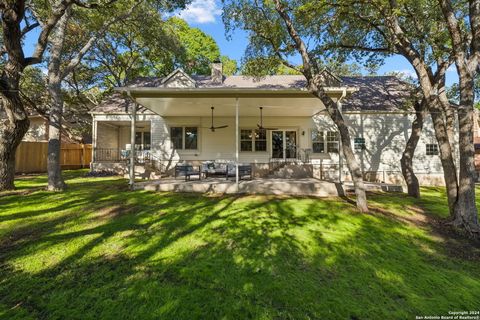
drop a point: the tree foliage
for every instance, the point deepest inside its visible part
(229, 66)
(278, 32)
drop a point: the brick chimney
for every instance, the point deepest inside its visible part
(217, 72)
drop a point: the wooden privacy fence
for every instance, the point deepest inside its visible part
(32, 156)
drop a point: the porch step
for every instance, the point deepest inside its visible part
(145, 172)
(292, 171)
(376, 187)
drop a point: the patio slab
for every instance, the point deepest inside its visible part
(303, 187)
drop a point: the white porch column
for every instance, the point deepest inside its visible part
(236, 144)
(340, 148)
(133, 123)
(94, 139)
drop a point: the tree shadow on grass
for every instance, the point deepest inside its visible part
(174, 256)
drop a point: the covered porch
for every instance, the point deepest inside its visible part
(270, 129)
(113, 140)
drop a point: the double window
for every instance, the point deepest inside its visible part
(253, 140)
(431, 149)
(142, 140)
(184, 138)
(325, 141)
(318, 141)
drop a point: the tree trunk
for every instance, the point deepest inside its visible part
(446, 155)
(406, 161)
(11, 135)
(352, 164)
(466, 214)
(55, 179)
(316, 87)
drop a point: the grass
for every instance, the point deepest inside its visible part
(99, 251)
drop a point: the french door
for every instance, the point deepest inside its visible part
(284, 144)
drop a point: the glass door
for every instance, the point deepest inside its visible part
(284, 144)
(290, 144)
(277, 144)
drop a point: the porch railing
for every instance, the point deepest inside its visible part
(116, 155)
(107, 155)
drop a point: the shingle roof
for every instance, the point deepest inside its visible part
(378, 93)
(274, 82)
(375, 93)
(117, 103)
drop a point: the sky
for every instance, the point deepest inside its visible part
(206, 15)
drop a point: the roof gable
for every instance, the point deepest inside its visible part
(178, 79)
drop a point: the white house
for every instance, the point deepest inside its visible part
(272, 123)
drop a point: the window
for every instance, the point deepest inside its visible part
(359, 144)
(324, 141)
(431, 149)
(138, 140)
(142, 140)
(253, 140)
(184, 138)
(246, 138)
(176, 135)
(146, 141)
(332, 141)
(191, 137)
(260, 140)
(318, 141)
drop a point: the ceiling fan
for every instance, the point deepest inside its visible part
(260, 126)
(213, 128)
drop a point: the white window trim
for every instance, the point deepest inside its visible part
(252, 140)
(183, 150)
(142, 134)
(325, 141)
(312, 141)
(429, 154)
(355, 144)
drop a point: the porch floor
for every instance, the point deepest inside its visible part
(304, 187)
(273, 186)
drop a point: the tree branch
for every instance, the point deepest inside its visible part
(47, 29)
(453, 28)
(92, 5)
(29, 28)
(357, 47)
(74, 62)
(308, 69)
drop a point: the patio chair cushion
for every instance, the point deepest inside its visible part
(244, 168)
(213, 167)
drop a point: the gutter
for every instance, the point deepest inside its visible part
(225, 92)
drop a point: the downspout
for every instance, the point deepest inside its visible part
(94, 140)
(236, 144)
(340, 159)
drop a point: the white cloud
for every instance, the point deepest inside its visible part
(201, 11)
(407, 73)
(452, 68)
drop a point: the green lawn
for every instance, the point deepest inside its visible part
(99, 251)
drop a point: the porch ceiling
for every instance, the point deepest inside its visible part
(197, 102)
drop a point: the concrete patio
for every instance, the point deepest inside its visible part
(300, 187)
